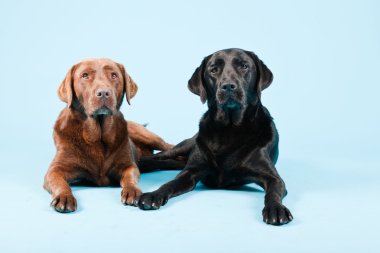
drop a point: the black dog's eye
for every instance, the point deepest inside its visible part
(113, 75)
(85, 75)
(244, 66)
(214, 70)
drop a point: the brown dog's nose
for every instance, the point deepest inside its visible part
(103, 93)
(228, 87)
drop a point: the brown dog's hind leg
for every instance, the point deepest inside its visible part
(130, 193)
(141, 135)
(56, 182)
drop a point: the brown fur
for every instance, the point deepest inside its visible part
(96, 146)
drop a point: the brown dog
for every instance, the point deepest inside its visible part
(94, 143)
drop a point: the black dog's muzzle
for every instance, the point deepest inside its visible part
(229, 96)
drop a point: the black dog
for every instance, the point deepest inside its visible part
(237, 142)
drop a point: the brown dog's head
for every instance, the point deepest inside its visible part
(230, 80)
(97, 87)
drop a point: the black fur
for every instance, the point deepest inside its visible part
(237, 142)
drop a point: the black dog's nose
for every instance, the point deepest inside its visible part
(228, 87)
(103, 93)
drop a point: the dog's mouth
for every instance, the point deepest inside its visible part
(230, 111)
(231, 105)
(102, 111)
(230, 101)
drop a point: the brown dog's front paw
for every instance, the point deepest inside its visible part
(130, 196)
(64, 203)
(276, 214)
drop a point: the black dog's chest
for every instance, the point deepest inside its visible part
(224, 145)
(227, 152)
(224, 154)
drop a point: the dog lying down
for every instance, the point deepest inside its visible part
(237, 142)
(94, 142)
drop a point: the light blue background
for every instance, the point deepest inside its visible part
(325, 56)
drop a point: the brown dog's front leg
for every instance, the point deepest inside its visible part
(56, 183)
(130, 193)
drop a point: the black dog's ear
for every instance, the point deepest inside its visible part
(265, 76)
(195, 83)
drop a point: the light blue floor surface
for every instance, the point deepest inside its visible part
(335, 208)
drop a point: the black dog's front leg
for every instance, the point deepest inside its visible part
(184, 182)
(274, 211)
(265, 174)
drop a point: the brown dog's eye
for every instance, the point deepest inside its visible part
(85, 75)
(113, 75)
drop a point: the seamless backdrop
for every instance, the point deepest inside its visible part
(325, 57)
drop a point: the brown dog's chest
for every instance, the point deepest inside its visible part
(104, 165)
(96, 153)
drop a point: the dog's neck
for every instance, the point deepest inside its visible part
(107, 129)
(110, 130)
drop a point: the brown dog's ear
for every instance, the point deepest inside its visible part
(195, 83)
(65, 90)
(265, 75)
(130, 87)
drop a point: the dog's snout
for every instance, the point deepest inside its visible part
(228, 86)
(103, 93)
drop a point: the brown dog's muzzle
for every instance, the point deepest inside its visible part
(103, 93)
(104, 101)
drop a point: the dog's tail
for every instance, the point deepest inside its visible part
(147, 164)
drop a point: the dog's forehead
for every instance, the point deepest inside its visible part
(229, 55)
(97, 63)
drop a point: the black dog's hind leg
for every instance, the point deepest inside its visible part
(181, 149)
(172, 159)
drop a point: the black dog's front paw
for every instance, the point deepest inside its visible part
(276, 214)
(152, 200)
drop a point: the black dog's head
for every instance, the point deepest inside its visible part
(230, 80)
